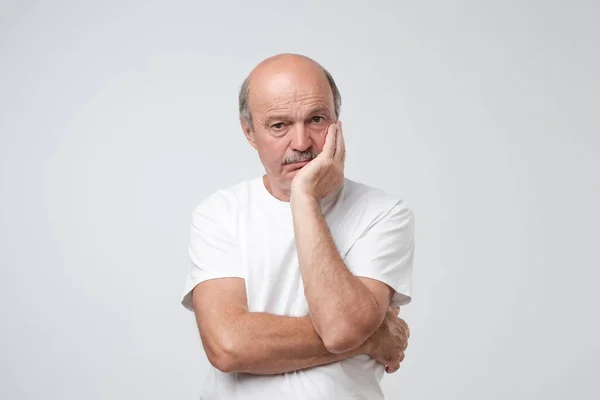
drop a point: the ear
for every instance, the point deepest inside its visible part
(249, 133)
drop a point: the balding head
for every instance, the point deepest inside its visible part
(287, 104)
(283, 72)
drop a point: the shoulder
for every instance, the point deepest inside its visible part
(372, 202)
(225, 202)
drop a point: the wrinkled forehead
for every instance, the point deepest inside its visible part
(290, 90)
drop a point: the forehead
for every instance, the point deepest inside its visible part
(290, 90)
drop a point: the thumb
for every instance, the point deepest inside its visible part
(329, 147)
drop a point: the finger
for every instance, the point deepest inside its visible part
(330, 139)
(404, 338)
(388, 359)
(406, 341)
(405, 327)
(396, 310)
(340, 148)
(390, 369)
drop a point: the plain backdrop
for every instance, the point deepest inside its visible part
(118, 117)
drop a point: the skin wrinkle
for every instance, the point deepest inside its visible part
(282, 110)
(344, 317)
(290, 90)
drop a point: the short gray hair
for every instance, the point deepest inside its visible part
(244, 106)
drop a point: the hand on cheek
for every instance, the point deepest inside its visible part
(326, 172)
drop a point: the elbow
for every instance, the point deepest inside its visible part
(223, 356)
(342, 345)
(343, 339)
(349, 334)
(222, 363)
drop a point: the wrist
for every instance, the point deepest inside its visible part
(302, 197)
(367, 347)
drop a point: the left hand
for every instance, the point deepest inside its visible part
(325, 173)
(389, 342)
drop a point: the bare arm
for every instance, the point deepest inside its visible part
(236, 340)
(344, 309)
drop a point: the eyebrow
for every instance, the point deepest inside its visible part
(284, 117)
(274, 117)
(320, 110)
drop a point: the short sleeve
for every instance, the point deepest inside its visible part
(385, 252)
(212, 245)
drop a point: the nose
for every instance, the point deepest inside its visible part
(301, 139)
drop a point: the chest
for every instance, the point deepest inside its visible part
(270, 261)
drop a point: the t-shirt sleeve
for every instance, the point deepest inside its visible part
(385, 252)
(212, 245)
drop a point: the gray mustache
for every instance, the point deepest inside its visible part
(300, 156)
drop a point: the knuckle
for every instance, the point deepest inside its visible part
(401, 358)
(405, 328)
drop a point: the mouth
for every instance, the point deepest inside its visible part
(299, 164)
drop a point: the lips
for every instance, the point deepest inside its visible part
(299, 164)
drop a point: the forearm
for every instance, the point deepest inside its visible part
(338, 301)
(272, 344)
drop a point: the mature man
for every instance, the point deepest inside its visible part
(297, 276)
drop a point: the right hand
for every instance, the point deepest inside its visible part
(388, 343)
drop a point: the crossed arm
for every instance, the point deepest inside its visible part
(344, 311)
(236, 340)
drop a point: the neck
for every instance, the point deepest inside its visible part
(280, 193)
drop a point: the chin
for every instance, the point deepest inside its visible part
(283, 180)
(290, 175)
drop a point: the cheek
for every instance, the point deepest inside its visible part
(272, 150)
(319, 139)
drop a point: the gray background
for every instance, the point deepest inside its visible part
(118, 117)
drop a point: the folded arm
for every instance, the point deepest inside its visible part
(345, 309)
(236, 340)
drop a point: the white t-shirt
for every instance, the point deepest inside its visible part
(243, 231)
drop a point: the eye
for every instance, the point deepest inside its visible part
(317, 119)
(277, 126)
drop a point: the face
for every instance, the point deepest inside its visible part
(291, 113)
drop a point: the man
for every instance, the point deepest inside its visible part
(297, 276)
